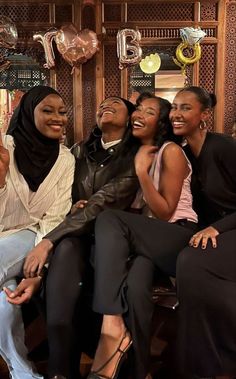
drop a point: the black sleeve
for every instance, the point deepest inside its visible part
(118, 193)
(227, 156)
(225, 224)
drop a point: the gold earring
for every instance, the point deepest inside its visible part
(202, 125)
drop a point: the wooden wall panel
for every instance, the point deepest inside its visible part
(88, 70)
(159, 23)
(230, 68)
(112, 72)
(207, 77)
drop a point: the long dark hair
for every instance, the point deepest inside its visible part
(165, 129)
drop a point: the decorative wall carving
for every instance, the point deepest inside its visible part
(88, 78)
(112, 12)
(230, 68)
(149, 19)
(111, 71)
(160, 11)
(208, 11)
(26, 12)
(63, 13)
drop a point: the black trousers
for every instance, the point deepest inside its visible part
(206, 283)
(67, 285)
(128, 247)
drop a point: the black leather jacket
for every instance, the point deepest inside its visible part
(104, 177)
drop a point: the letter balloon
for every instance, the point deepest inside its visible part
(46, 38)
(129, 51)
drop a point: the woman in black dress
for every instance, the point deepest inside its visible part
(130, 246)
(206, 270)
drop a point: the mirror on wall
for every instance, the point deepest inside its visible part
(165, 82)
(22, 73)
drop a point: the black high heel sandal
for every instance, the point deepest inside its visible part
(121, 359)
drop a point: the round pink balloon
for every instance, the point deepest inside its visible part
(76, 47)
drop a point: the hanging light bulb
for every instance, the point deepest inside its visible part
(151, 63)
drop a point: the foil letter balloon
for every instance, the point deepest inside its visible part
(46, 38)
(8, 33)
(129, 51)
(76, 48)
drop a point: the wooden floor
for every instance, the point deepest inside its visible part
(41, 366)
(161, 366)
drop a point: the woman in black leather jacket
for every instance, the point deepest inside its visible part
(104, 178)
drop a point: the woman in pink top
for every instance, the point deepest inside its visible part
(130, 246)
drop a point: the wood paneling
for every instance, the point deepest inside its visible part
(159, 23)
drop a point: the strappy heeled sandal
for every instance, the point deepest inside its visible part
(122, 356)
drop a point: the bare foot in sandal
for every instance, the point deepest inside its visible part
(114, 342)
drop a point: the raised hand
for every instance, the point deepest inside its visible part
(4, 162)
(144, 158)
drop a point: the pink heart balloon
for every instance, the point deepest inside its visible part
(76, 47)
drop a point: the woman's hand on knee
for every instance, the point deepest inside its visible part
(37, 258)
(203, 237)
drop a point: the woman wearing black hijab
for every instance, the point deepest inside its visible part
(36, 175)
(104, 178)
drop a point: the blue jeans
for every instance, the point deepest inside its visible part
(13, 250)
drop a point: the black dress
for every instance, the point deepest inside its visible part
(206, 279)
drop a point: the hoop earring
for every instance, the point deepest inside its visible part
(203, 125)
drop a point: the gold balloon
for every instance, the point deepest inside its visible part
(182, 60)
(185, 60)
(150, 64)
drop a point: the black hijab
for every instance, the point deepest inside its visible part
(34, 153)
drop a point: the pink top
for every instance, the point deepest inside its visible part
(184, 208)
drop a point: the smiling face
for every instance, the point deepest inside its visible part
(187, 114)
(145, 120)
(50, 116)
(112, 112)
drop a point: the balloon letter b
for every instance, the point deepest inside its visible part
(129, 51)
